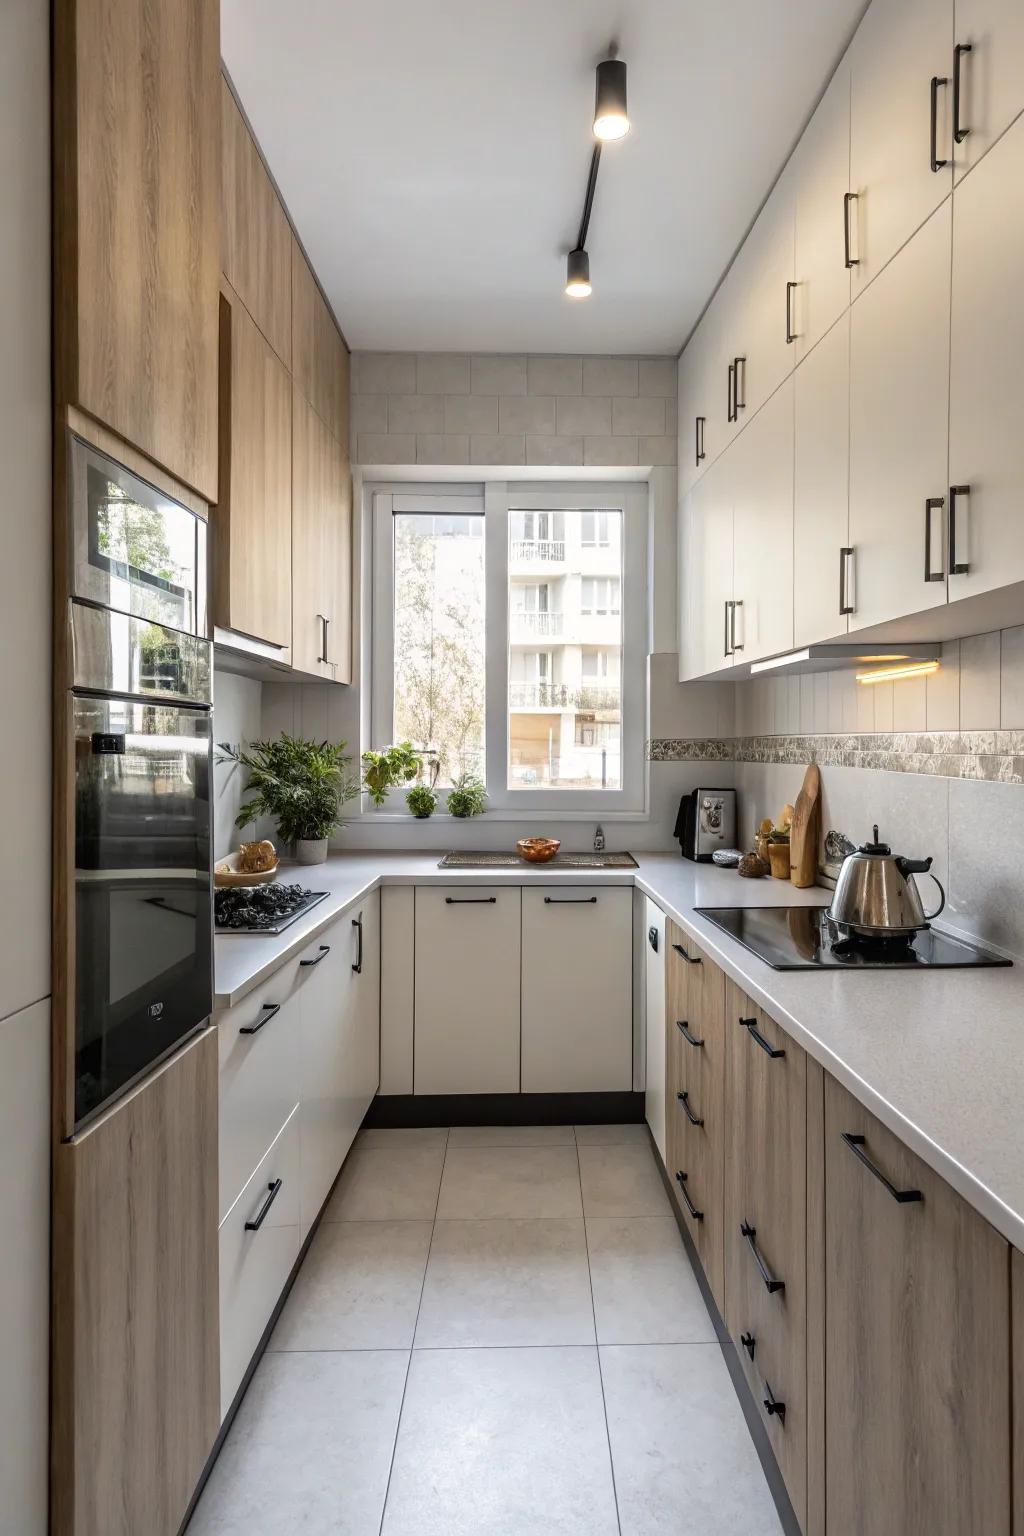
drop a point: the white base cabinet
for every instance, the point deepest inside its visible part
(655, 1011)
(577, 989)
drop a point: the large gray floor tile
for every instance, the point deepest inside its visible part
(403, 1136)
(358, 1288)
(510, 1136)
(685, 1464)
(506, 1442)
(611, 1135)
(645, 1291)
(621, 1181)
(507, 1282)
(393, 1183)
(510, 1181)
(310, 1449)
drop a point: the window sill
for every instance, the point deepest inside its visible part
(610, 818)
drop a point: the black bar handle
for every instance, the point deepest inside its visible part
(771, 1285)
(772, 1406)
(570, 901)
(749, 1343)
(730, 411)
(728, 606)
(755, 1034)
(736, 646)
(856, 1145)
(325, 950)
(739, 404)
(357, 924)
(269, 1011)
(324, 621)
(845, 556)
(684, 1099)
(956, 567)
(470, 901)
(933, 503)
(937, 80)
(698, 424)
(652, 938)
(848, 260)
(681, 1025)
(790, 333)
(273, 1190)
(959, 134)
(681, 1181)
(690, 959)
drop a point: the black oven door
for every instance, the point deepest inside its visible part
(143, 903)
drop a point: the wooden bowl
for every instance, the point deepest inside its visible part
(537, 850)
(226, 874)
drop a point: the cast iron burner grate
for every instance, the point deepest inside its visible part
(262, 908)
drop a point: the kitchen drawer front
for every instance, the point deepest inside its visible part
(766, 1223)
(259, 1077)
(254, 1265)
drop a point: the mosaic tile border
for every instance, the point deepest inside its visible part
(994, 756)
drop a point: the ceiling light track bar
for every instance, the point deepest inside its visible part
(588, 200)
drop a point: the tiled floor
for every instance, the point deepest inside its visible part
(496, 1332)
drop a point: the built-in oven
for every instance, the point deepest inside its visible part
(141, 727)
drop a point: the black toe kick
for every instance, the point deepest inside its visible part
(392, 1111)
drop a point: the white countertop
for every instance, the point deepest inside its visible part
(937, 1056)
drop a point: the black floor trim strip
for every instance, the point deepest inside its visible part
(408, 1110)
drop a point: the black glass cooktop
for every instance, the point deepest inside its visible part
(804, 939)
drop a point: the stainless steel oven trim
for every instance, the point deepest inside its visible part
(111, 652)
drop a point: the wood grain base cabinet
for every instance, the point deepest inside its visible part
(695, 1098)
(135, 1332)
(917, 1417)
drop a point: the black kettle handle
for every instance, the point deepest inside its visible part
(912, 866)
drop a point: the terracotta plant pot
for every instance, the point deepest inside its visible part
(778, 858)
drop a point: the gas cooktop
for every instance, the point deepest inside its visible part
(262, 908)
(805, 939)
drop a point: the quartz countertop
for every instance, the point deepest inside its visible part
(937, 1056)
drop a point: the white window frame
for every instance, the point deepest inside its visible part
(496, 499)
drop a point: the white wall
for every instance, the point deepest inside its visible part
(237, 721)
(25, 454)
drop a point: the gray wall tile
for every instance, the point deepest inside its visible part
(554, 450)
(415, 413)
(609, 450)
(639, 413)
(1011, 669)
(441, 448)
(942, 703)
(369, 413)
(979, 682)
(576, 414)
(442, 373)
(657, 450)
(610, 376)
(526, 413)
(387, 448)
(470, 413)
(909, 703)
(383, 373)
(485, 448)
(658, 376)
(498, 375)
(986, 832)
(555, 376)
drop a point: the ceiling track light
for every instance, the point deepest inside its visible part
(610, 122)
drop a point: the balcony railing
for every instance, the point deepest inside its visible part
(538, 551)
(536, 623)
(559, 696)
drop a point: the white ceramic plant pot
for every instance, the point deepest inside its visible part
(310, 850)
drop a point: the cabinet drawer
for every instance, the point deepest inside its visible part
(259, 1080)
(254, 1265)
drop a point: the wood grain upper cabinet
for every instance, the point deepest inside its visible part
(135, 1342)
(137, 224)
(823, 579)
(900, 46)
(256, 241)
(761, 474)
(917, 1417)
(253, 519)
(320, 362)
(990, 60)
(821, 179)
(321, 548)
(986, 406)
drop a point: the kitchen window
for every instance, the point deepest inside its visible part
(508, 641)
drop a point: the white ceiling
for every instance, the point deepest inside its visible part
(434, 155)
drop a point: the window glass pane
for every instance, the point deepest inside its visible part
(439, 639)
(565, 649)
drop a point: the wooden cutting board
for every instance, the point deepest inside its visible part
(805, 833)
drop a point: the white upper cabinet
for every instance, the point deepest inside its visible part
(899, 398)
(986, 415)
(760, 303)
(901, 46)
(707, 574)
(824, 578)
(989, 59)
(762, 490)
(821, 180)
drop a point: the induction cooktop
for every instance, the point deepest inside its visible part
(805, 939)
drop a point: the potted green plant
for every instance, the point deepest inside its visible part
(422, 801)
(778, 852)
(467, 796)
(386, 769)
(302, 785)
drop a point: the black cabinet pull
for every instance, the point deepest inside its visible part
(755, 1034)
(324, 621)
(849, 261)
(728, 610)
(736, 644)
(652, 938)
(959, 134)
(772, 1407)
(956, 567)
(325, 950)
(684, 1099)
(845, 556)
(749, 1343)
(357, 924)
(690, 959)
(470, 901)
(771, 1285)
(730, 411)
(681, 1025)
(269, 1010)
(856, 1145)
(933, 504)
(698, 424)
(681, 1181)
(790, 333)
(570, 901)
(739, 397)
(937, 80)
(273, 1190)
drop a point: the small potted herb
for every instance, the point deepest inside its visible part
(302, 785)
(778, 852)
(467, 796)
(385, 770)
(422, 801)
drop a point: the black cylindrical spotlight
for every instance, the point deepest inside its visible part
(610, 119)
(577, 274)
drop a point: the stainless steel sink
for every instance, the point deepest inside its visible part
(560, 861)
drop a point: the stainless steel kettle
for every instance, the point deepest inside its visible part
(875, 897)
